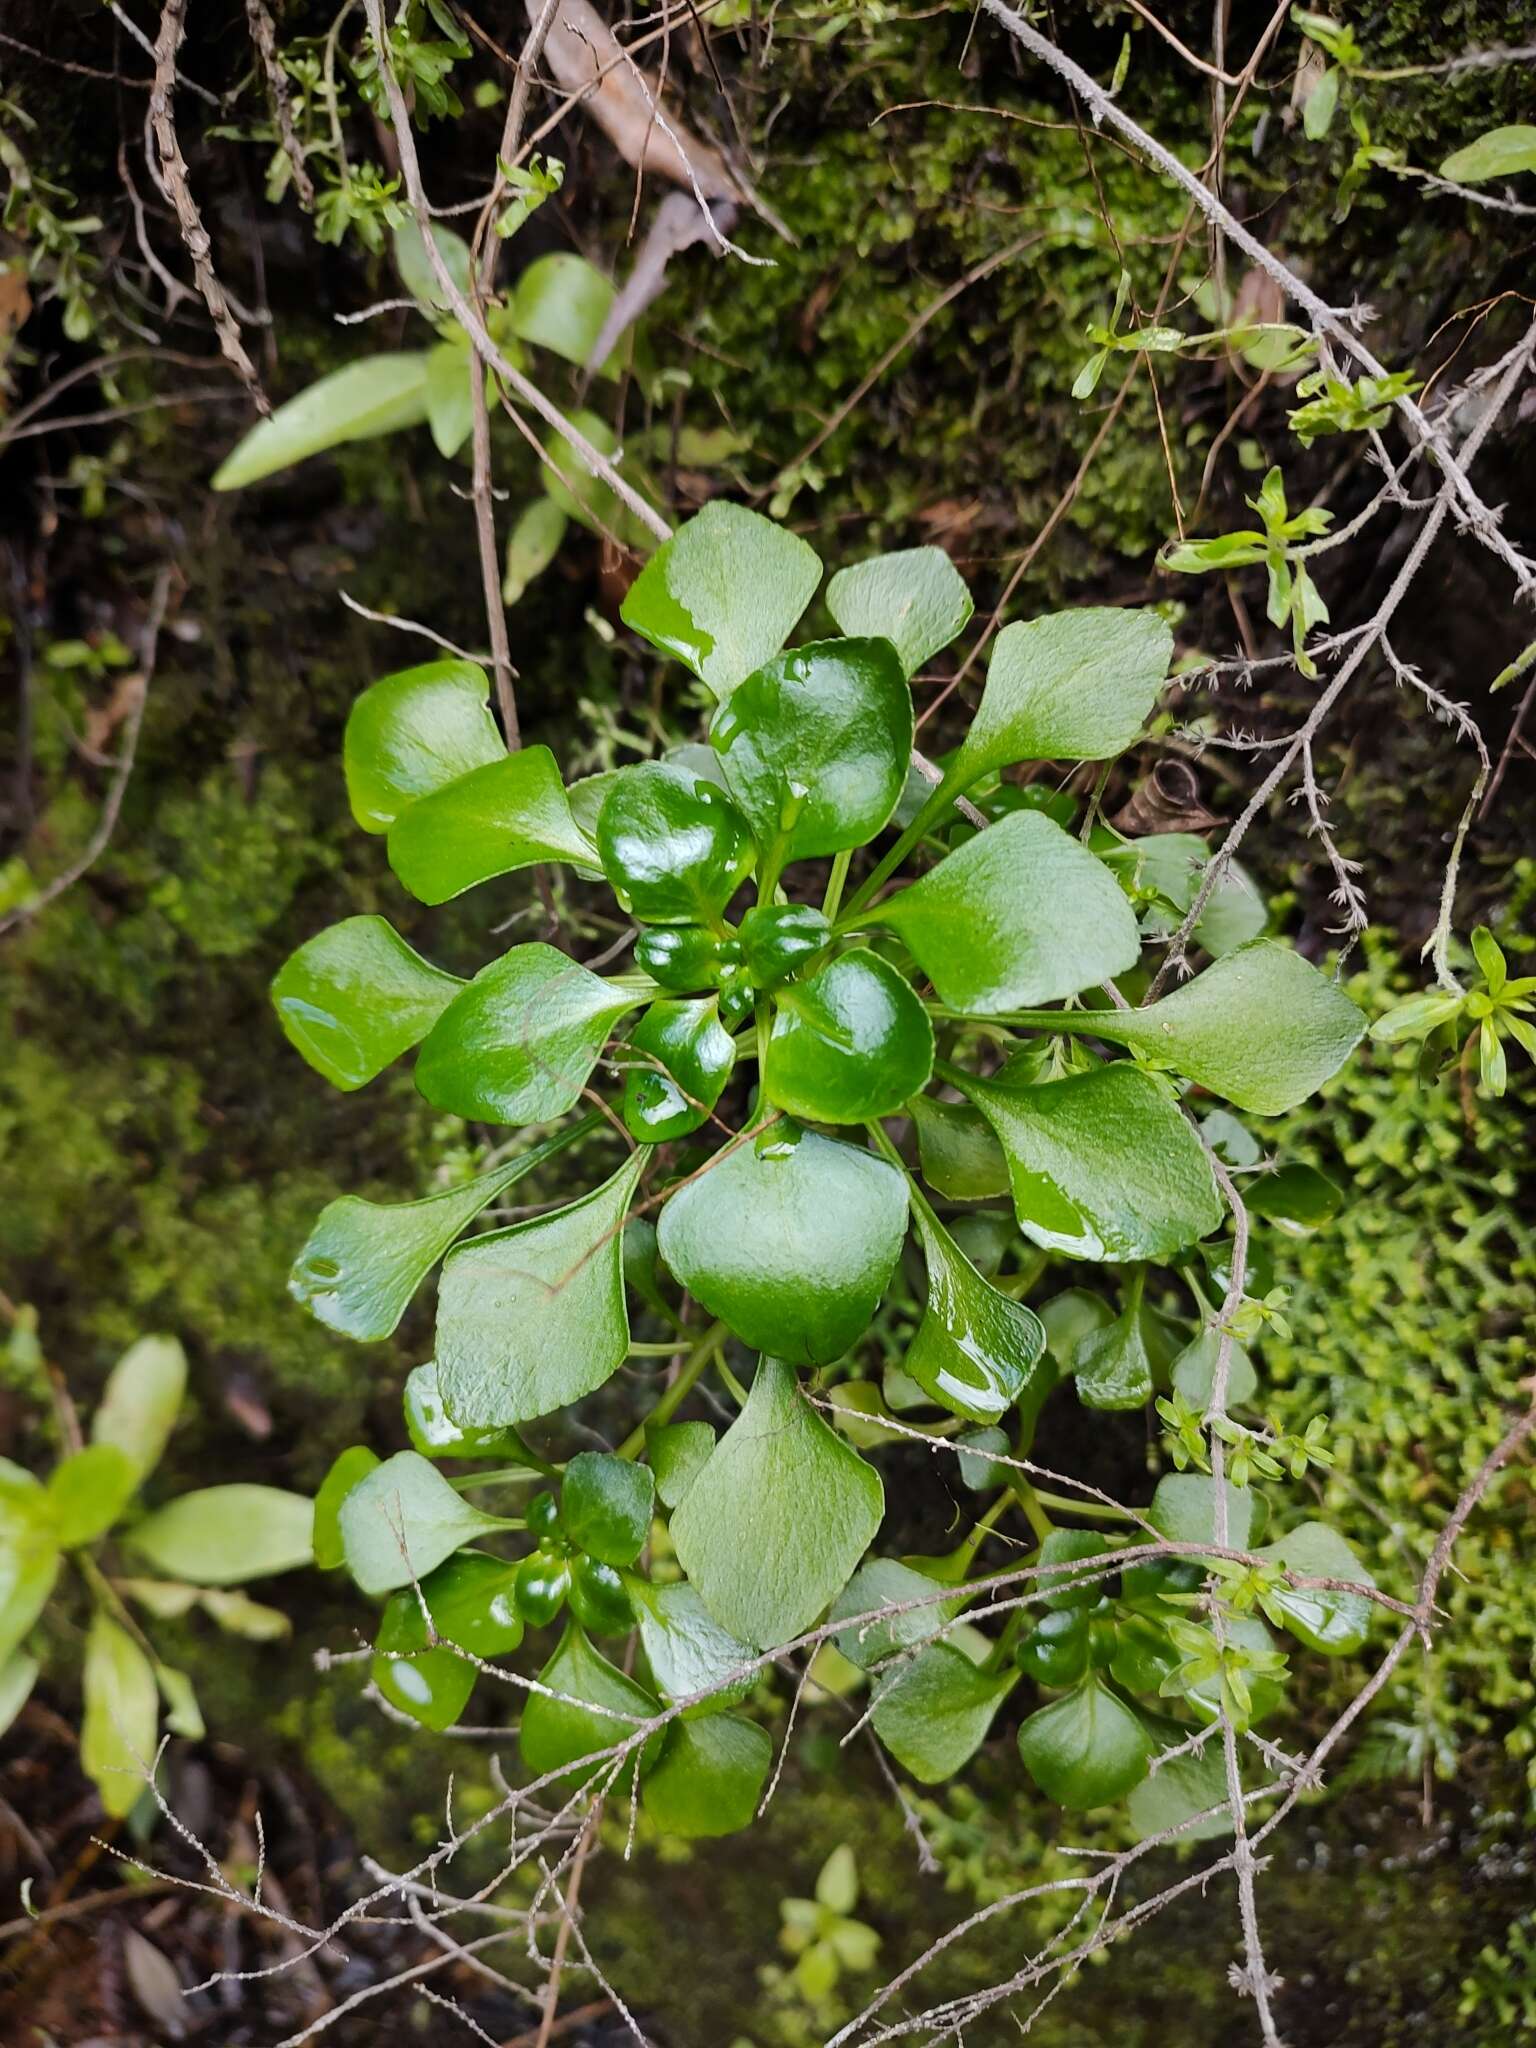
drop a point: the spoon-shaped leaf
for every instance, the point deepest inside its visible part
(1087, 1749)
(379, 395)
(687, 1650)
(509, 814)
(356, 996)
(935, 1714)
(776, 1522)
(1103, 1165)
(122, 1712)
(850, 1042)
(415, 732)
(674, 847)
(587, 1707)
(1020, 907)
(1073, 686)
(517, 1044)
(224, 1535)
(914, 598)
(709, 1776)
(678, 1059)
(531, 1318)
(815, 745)
(141, 1400)
(723, 594)
(976, 1352)
(363, 1261)
(401, 1521)
(791, 1238)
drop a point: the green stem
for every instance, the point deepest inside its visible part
(692, 1366)
(1105, 1510)
(1032, 1505)
(737, 1391)
(941, 799)
(503, 1475)
(835, 882)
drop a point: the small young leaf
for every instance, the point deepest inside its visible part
(350, 1468)
(709, 1776)
(914, 598)
(402, 1520)
(141, 1401)
(606, 1504)
(1087, 1749)
(378, 395)
(224, 1535)
(356, 996)
(1020, 914)
(723, 594)
(815, 746)
(937, 1711)
(531, 1318)
(1320, 105)
(509, 814)
(597, 1709)
(773, 1526)
(674, 847)
(791, 1238)
(850, 1042)
(432, 1686)
(238, 1615)
(1111, 1365)
(122, 1712)
(413, 733)
(517, 1044)
(976, 1352)
(676, 1063)
(1103, 1166)
(88, 1490)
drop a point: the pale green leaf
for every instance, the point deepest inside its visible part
(914, 598)
(378, 395)
(224, 1535)
(141, 1400)
(356, 996)
(509, 814)
(122, 1713)
(402, 1520)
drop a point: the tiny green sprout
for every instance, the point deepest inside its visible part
(1293, 596)
(1336, 406)
(1495, 1008)
(530, 185)
(1248, 1455)
(1108, 340)
(1228, 1664)
(1185, 1433)
(1255, 1314)
(1305, 1451)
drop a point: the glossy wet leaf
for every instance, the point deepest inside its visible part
(723, 594)
(416, 732)
(598, 1599)
(815, 745)
(88, 1491)
(1020, 914)
(709, 1776)
(1102, 1164)
(976, 1352)
(517, 1044)
(402, 1520)
(674, 847)
(348, 1469)
(356, 996)
(676, 1063)
(1184, 1510)
(560, 303)
(1194, 1371)
(598, 1710)
(1055, 1652)
(531, 1318)
(1261, 1026)
(1298, 1198)
(141, 1400)
(935, 1713)
(122, 1715)
(914, 598)
(1112, 1366)
(1176, 1792)
(791, 1238)
(960, 1155)
(849, 1043)
(1073, 686)
(378, 395)
(432, 1686)
(779, 939)
(776, 1522)
(224, 1535)
(1325, 1619)
(681, 957)
(433, 1431)
(1088, 1749)
(364, 1260)
(510, 814)
(687, 1649)
(678, 1452)
(470, 1599)
(606, 1505)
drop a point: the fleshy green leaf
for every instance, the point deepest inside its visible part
(936, 1714)
(1261, 1026)
(122, 1713)
(709, 1776)
(606, 1504)
(517, 1044)
(598, 1709)
(914, 598)
(885, 1583)
(413, 733)
(507, 815)
(1087, 1749)
(29, 1554)
(1020, 914)
(88, 1490)
(224, 1535)
(774, 1525)
(356, 996)
(678, 1452)
(141, 1401)
(531, 1318)
(676, 1063)
(432, 1686)
(687, 1650)
(1175, 1792)
(363, 1261)
(435, 1434)
(378, 395)
(791, 1238)
(1501, 153)
(402, 1520)
(350, 1468)
(1073, 686)
(1103, 1165)
(850, 1042)
(723, 594)
(1111, 1365)
(674, 847)
(976, 1352)
(1194, 1371)
(560, 303)
(815, 745)
(1334, 1622)
(1184, 1510)
(960, 1155)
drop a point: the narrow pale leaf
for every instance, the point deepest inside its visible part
(379, 395)
(224, 1535)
